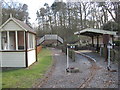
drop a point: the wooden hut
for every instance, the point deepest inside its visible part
(17, 44)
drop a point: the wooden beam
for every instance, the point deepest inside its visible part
(105, 42)
(97, 43)
(26, 47)
(36, 47)
(93, 41)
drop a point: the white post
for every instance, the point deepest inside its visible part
(8, 40)
(16, 36)
(108, 57)
(67, 57)
(0, 40)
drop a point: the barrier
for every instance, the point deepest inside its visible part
(39, 48)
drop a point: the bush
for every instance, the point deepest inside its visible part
(117, 43)
(72, 54)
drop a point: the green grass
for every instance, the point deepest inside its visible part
(26, 78)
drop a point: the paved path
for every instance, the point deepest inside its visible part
(61, 79)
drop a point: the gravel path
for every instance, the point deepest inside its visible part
(61, 79)
(103, 77)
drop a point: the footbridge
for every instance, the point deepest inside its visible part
(50, 38)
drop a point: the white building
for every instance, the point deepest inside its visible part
(17, 44)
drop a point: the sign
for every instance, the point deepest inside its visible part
(72, 46)
(109, 47)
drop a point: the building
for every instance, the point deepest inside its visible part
(17, 44)
(98, 37)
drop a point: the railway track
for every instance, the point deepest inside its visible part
(90, 76)
(93, 70)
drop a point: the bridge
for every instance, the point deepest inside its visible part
(50, 38)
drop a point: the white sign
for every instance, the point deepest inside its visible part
(109, 47)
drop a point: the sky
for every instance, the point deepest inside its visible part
(33, 6)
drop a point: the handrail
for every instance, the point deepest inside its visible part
(50, 37)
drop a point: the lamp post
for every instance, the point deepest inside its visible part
(109, 46)
(67, 57)
(72, 47)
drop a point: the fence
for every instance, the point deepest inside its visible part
(72, 54)
(114, 54)
(39, 48)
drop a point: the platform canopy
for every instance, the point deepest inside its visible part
(94, 32)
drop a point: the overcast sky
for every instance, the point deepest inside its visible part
(33, 6)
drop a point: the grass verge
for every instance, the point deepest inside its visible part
(25, 78)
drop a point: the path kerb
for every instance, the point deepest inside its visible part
(88, 57)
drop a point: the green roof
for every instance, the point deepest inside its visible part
(89, 31)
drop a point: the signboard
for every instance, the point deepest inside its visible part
(72, 46)
(109, 47)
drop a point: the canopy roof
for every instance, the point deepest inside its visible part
(94, 32)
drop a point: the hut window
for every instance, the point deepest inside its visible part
(30, 41)
(4, 40)
(20, 40)
(12, 40)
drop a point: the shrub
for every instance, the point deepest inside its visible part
(117, 43)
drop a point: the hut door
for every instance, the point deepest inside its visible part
(12, 40)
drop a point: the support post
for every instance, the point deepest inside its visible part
(92, 41)
(108, 58)
(67, 57)
(8, 39)
(57, 40)
(97, 43)
(16, 36)
(36, 47)
(0, 41)
(105, 41)
(26, 48)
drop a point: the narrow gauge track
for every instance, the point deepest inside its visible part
(93, 70)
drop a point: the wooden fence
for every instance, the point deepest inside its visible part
(39, 48)
(114, 54)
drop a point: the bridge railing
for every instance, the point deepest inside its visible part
(50, 37)
(41, 40)
(60, 39)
